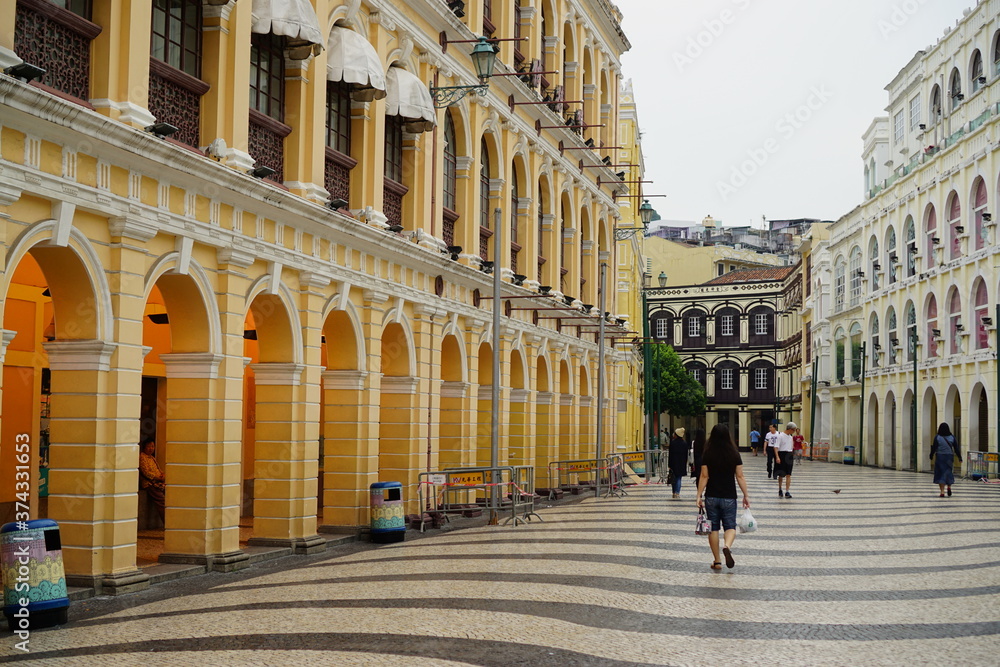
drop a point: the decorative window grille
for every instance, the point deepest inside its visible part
(337, 177)
(56, 36)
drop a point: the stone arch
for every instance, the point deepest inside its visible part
(979, 420)
(75, 275)
(928, 421)
(271, 308)
(870, 453)
(183, 291)
(341, 323)
(890, 429)
(346, 15)
(397, 349)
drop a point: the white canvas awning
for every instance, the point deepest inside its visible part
(409, 97)
(353, 60)
(294, 19)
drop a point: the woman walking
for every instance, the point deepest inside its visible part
(677, 459)
(721, 471)
(943, 453)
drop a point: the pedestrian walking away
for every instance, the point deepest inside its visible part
(721, 471)
(677, 459)
(943, 453)
(784, 458)
(754, 441)
(769, 439)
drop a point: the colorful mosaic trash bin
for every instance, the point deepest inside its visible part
(34, 582)
(388, 520)
(849, 455)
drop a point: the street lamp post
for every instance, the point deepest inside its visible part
(913, 407)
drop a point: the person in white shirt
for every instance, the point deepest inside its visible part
(769, 439)
(784, 458)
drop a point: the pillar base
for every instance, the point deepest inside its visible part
(119, 583)
(228, 562)
(299, 545)
(341, 530)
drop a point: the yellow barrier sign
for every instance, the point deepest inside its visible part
(579, 466)
(992, 457)
(467, 478)
(635, 456)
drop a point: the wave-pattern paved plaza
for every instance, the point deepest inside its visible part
(882, 573)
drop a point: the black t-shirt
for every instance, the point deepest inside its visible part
(721, 477)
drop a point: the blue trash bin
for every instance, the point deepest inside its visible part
(849, 455)
(388, 521)
(34, 581)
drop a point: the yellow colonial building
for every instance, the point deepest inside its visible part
(262, 232)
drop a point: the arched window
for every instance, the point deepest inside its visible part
(955, 326)
(694, 328)
(697, 370)
(876, 343)
(930, 230)
(933, 331)
(727, 327)
(891, 331)
(955, 228)
(484, 185)
(449, 199)
(855, 268)
(874, 263)
(663, 326)
(892, 256)
(175, 48)
(727, 380)
(976, 71)
(935, 116)
(911, 331)
(839, 273)
(978, 208)
(910, 234)
(761, 324)
(996, 53)
(761, 377)
(981, 313)
(955, 88)
(515, 247)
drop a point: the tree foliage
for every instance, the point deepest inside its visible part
(673, 390)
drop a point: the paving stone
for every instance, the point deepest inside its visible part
(883, 573)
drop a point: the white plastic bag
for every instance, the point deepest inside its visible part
(746, 522)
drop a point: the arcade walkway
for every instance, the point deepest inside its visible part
(882, 573)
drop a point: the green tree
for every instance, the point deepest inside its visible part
(673, 389)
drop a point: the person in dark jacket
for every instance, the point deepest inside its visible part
(698, 446)
(677, 459)
(943, 453)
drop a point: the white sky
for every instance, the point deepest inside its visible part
(708, 108)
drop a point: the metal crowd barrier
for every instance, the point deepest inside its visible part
(566, 474)
(448, 490)
(979, 464)
(644, 463)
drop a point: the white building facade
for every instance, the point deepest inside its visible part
(908, 338)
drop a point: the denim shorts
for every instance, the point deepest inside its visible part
(721, 510)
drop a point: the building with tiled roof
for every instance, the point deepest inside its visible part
(739, 335)
(756, 275)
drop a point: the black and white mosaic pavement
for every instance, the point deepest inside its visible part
(882, 573)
